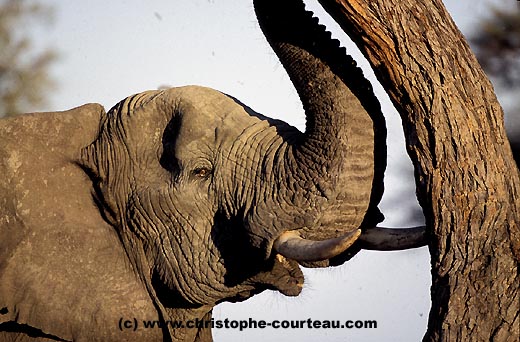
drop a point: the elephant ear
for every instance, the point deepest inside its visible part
(62, 267)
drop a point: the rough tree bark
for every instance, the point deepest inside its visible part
(467, 181)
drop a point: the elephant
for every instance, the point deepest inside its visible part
(176, 200)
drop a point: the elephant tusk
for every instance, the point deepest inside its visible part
(292, 246)
(390, 239)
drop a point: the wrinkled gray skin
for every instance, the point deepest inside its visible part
(173, 200)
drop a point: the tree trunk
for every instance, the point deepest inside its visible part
(467, 181)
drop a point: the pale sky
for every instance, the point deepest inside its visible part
(111, 49)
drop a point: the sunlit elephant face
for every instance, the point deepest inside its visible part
(181, 172)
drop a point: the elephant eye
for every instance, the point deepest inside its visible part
(202, 172)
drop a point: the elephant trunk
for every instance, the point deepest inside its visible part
(339, 162)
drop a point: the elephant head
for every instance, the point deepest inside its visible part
(213, 202)
(187, 176)
(205, 188)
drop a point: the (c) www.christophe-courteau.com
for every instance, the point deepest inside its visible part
(134, 324)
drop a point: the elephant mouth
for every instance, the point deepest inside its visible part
(285, 277)
(290, 251)
(291, 283)
(282, 275)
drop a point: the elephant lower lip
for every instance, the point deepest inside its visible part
(291, 290)
(290, 284)
(285, 277)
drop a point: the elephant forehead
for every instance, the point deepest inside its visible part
(208, 116)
